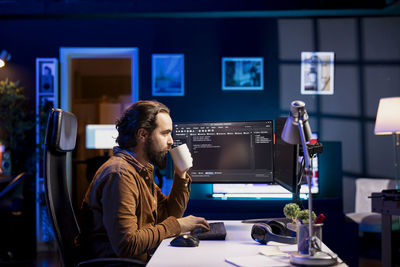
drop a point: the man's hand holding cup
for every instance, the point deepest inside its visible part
(182, 160)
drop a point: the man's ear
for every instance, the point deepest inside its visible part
(142, 134)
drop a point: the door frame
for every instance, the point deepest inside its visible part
(69, 53)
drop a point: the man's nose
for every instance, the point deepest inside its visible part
(170, 140)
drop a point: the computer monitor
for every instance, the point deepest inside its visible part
(101, 136)
(286, 174)
(228, 152)
(286, 165)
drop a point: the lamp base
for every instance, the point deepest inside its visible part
(318, 259)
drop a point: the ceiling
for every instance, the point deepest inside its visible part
(199, 8)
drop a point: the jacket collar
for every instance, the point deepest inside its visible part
(130, 157)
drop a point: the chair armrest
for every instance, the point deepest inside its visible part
(115, 262)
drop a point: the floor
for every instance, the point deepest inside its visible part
(364, 262)
(43, 259)
(49, 259)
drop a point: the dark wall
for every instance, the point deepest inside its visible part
(367, 67)
(202, 41)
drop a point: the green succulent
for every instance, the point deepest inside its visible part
(291, 211)
(303, 216)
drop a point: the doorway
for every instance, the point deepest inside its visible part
(97, 84)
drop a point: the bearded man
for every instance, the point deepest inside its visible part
(124, 213)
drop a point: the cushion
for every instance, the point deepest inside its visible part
(62, 131)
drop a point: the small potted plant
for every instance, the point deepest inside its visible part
(296, 216)
(303, 216)
(300, 223)
(14, 123)
(291, 211)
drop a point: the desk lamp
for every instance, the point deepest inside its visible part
(388, 122)
(297, 130)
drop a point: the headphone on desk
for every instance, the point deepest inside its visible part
(273, 231)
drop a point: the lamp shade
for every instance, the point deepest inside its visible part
(388, 116)
(290, 132)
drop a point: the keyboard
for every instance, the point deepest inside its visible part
(217, 232)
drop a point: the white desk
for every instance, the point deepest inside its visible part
(238, 245)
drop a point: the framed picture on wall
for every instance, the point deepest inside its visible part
(242, 73)
(46, 72)
(168, 75)
(317, 73)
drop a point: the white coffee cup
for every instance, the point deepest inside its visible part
(182, 158)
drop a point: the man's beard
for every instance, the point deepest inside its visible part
(158, 158)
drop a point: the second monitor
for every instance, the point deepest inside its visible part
(229, 152)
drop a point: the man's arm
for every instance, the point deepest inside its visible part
(120, 197)
(176, 202)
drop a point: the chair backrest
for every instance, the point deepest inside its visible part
(60, 139)
(365, 187)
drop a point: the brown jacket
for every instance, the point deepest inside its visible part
(125, 214)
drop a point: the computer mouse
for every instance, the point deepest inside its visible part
(185, 240)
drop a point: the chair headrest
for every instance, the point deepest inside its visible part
(61, 131)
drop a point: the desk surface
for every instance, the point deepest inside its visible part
(238, 246)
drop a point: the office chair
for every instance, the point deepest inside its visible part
(60, 139)
(11, 211)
